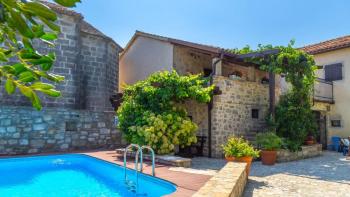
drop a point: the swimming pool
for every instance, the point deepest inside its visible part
(74, 175)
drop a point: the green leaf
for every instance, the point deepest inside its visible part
(3, 57)
(40, 10)
(51, 25)
(26, 91)
(67, 3)
(27, 44)
(55, 78)
(49, 36)
(43, 60)
(51, 92)
(36, 101)
(38, 30)
(42, 86)
(26, 76)
(18, 68)
(21, 24)
(10, 86)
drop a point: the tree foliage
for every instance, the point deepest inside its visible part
(294, 119)
(151, 112)
(22, 66)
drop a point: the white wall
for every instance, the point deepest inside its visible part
(144, 57)
(341, 108)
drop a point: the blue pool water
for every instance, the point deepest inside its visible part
(74, 175)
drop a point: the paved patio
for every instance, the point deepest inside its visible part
(326, 176)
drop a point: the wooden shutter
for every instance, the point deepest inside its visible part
(333, 72)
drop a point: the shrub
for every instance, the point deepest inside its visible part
(238, 147)
(269, 141)
(150, 113)
(295, 120)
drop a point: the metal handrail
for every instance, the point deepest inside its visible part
(153, 158)
(330, 96)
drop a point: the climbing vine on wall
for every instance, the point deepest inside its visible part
(151, 111)
(294, 118)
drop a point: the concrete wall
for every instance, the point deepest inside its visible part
(144, 57)
(341, 108)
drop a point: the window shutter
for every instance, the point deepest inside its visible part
(333, 72)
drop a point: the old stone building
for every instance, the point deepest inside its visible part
(239, 109)
(83, 117)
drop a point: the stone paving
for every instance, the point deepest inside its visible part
(326, 176)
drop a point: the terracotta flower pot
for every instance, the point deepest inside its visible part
(230, 158)
(247, 160)
(309, 142)
(268, 157)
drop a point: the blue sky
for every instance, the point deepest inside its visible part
(223, 23)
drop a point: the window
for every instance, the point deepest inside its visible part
(207, 72)
(255, 113)
(336, 123)
(333, 72)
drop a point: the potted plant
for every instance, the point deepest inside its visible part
(238, 149)
(310, 140)
(269, 143)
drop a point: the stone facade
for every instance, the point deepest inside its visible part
(232, 111)
(24, 130)
(230, 181)
(83, 116)
(89, 63)
(190, 61)
(306, 152)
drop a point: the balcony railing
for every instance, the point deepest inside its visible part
(323, 91)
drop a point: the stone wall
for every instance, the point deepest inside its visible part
(82, 118)
(230, 181)
(306, 152)
(190, 61)
(24, 130)
(232, 111)
(89, 64)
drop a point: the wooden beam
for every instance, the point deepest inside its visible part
(272, 97)
(258, 54)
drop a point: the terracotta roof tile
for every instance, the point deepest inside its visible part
(329, 45)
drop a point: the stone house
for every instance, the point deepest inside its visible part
(242, 104)
(83, 117)
(332, 90)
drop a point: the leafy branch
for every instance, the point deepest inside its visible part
(22, 66)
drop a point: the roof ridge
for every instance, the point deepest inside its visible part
(175, 40)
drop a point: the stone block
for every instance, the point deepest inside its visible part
(11, 129)
(2, 130)
(37, 143)
(39, 127)
(23, 142)
(5, 122)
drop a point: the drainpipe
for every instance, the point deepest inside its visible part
(210, 104)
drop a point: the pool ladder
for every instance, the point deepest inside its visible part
(139, 153)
